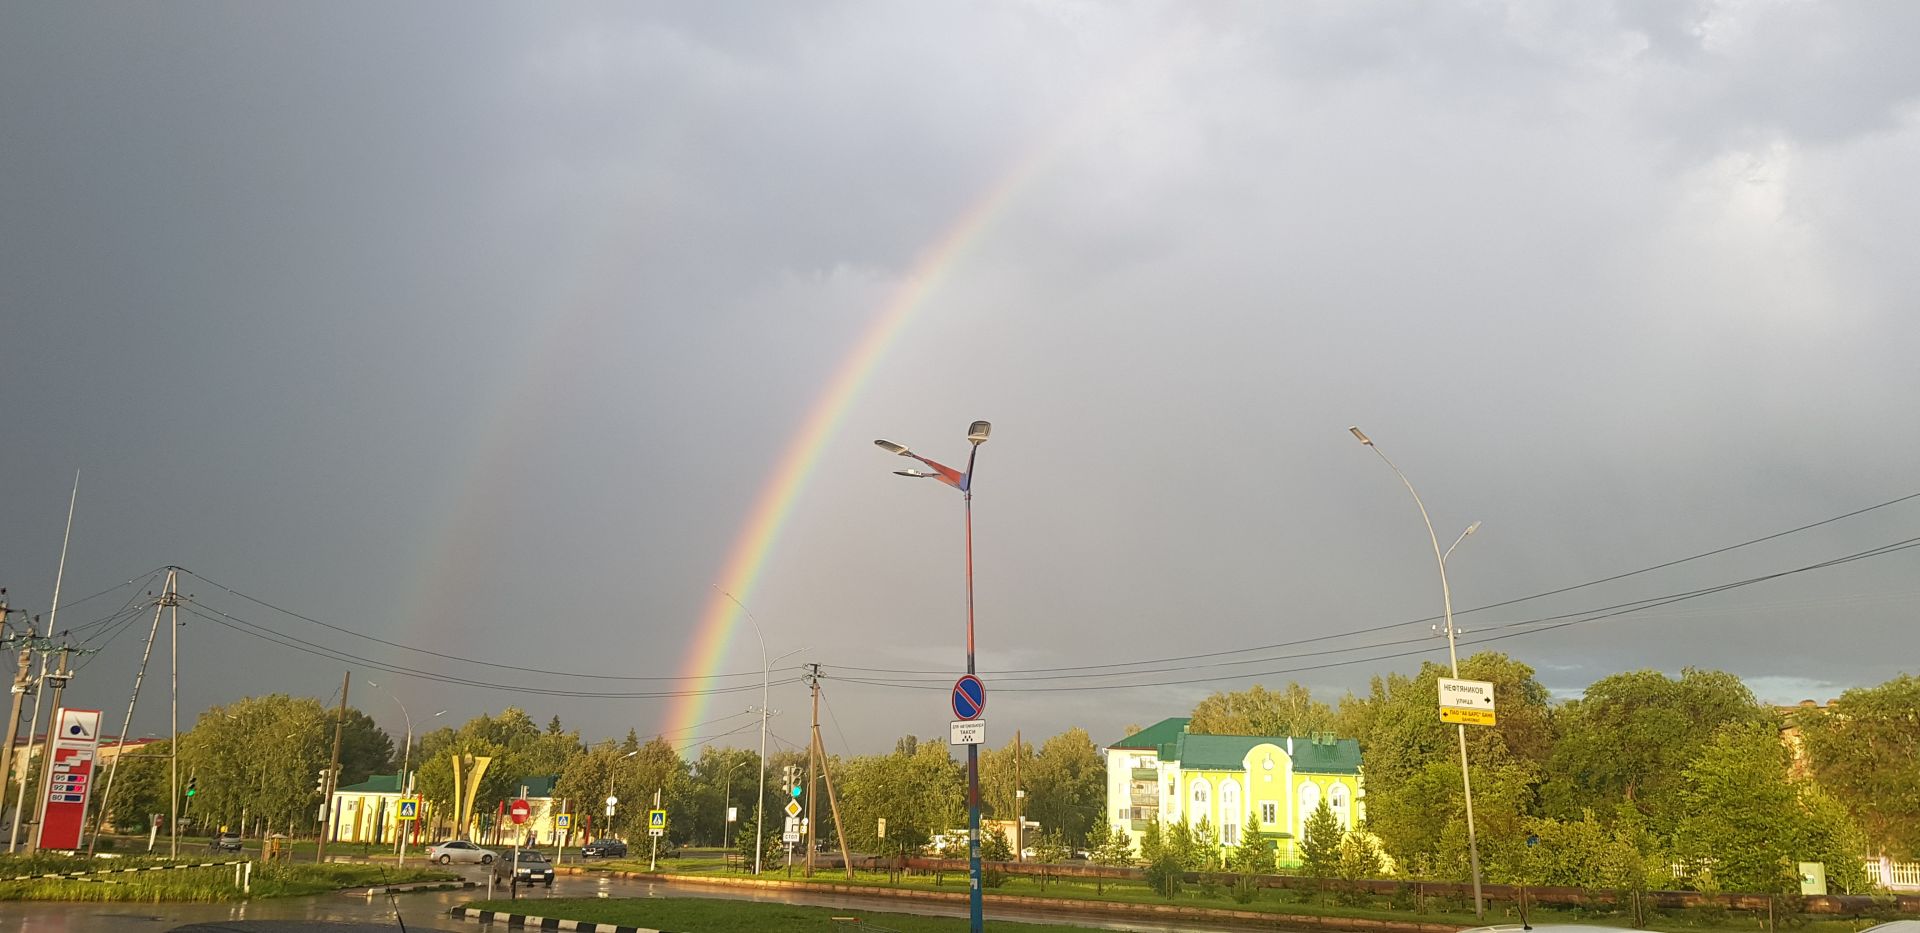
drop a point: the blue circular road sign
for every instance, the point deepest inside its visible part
(969, 697)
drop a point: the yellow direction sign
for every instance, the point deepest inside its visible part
(1471, 717)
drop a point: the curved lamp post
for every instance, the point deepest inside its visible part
(963, 481)
(406, 753)
(1453, 657)
(760, 804)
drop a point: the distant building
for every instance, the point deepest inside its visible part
(1165, 773)
(370, 812)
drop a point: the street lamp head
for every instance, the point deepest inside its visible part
(1471, 529)
(441, 713)
(916, 474)
(893, 448)
(1362, 436)
(978, 431)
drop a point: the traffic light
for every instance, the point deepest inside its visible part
(193, 785)
(320, 783)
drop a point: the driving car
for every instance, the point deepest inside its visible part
(224, 842)
(531, 866)
(459, 850)
(604, 848)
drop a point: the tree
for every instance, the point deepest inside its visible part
(1165, 852)
(1052, 849)
(1747, 824)
(994, 846)
(1359, 862)
(1255, 853)
(1292, 710)
(1630, 737)
(1066, 784)
(1108, 846)
(1320, 845)
(1865, 748)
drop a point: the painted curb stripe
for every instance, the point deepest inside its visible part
(542, 923)
(79, 875)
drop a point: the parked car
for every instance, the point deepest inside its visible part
(459, 850)
(604, 848)
(224, 842)
(530, 866)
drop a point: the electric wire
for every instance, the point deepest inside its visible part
(1392, 625)
(246, 627)
(454, 657)
(1526, 627)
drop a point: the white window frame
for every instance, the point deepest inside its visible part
(1338, 800)
(1200, 800)
(1309, 802)
(1230, 812)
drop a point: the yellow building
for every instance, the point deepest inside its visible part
(1232, 782)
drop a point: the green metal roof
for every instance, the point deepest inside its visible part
(1229, 753)
(375, 784)
(1154, 736)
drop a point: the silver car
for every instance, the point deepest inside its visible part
(459, 850)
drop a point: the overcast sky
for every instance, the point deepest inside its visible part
(482, 328)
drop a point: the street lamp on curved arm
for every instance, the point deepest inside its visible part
(963, 481)
(1453, 656)
(760, 803)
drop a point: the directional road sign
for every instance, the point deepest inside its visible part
(969, 697)
(1466, 701)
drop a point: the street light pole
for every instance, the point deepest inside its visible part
(976, 435)
(1453, 657)
(405, 786)
(726, 804)
(760, 803)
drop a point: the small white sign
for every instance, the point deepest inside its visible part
(790, 837)
(967, 732)
(1466, 694)
(733, 814)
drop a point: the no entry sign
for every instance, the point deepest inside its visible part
(518, 811)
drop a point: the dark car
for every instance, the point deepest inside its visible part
(224, 842)
(530, 866)
(604, 848)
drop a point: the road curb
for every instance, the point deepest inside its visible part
(416, 886)
(527, 921)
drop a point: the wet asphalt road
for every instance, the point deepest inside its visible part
(428, 910)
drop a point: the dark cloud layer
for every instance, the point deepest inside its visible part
(481, 328)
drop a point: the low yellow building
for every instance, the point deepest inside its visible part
(1232, 782)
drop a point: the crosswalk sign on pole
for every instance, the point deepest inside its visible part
(409, 809)
(562, 820)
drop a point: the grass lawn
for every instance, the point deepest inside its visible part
(720, 916)
(193, 884)
(1274, 901)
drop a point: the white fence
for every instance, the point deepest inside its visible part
(1895, 876)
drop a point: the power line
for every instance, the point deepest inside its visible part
(1527, 627)
(1392, 625)
(454, 657)
(257, 630)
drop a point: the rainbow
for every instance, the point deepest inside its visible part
(759, 538)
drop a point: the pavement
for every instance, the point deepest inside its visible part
(428, 910)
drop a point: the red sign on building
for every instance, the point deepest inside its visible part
(71, 780)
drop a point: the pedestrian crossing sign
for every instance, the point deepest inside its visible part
(656, 819)
(562, 820)
(409, 809)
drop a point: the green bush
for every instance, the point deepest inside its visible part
(992, 877)
(1246, 889)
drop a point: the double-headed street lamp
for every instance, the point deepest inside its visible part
(963, 481)
(1453, 656)
(760, 804)
(406, 752)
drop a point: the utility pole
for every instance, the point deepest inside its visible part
(26, 764)
(106, 796)
(171, 600)
(19, 690)
(813, 681)
(1019, 801)
(826, 776)
(60, 678)
(333, 773)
